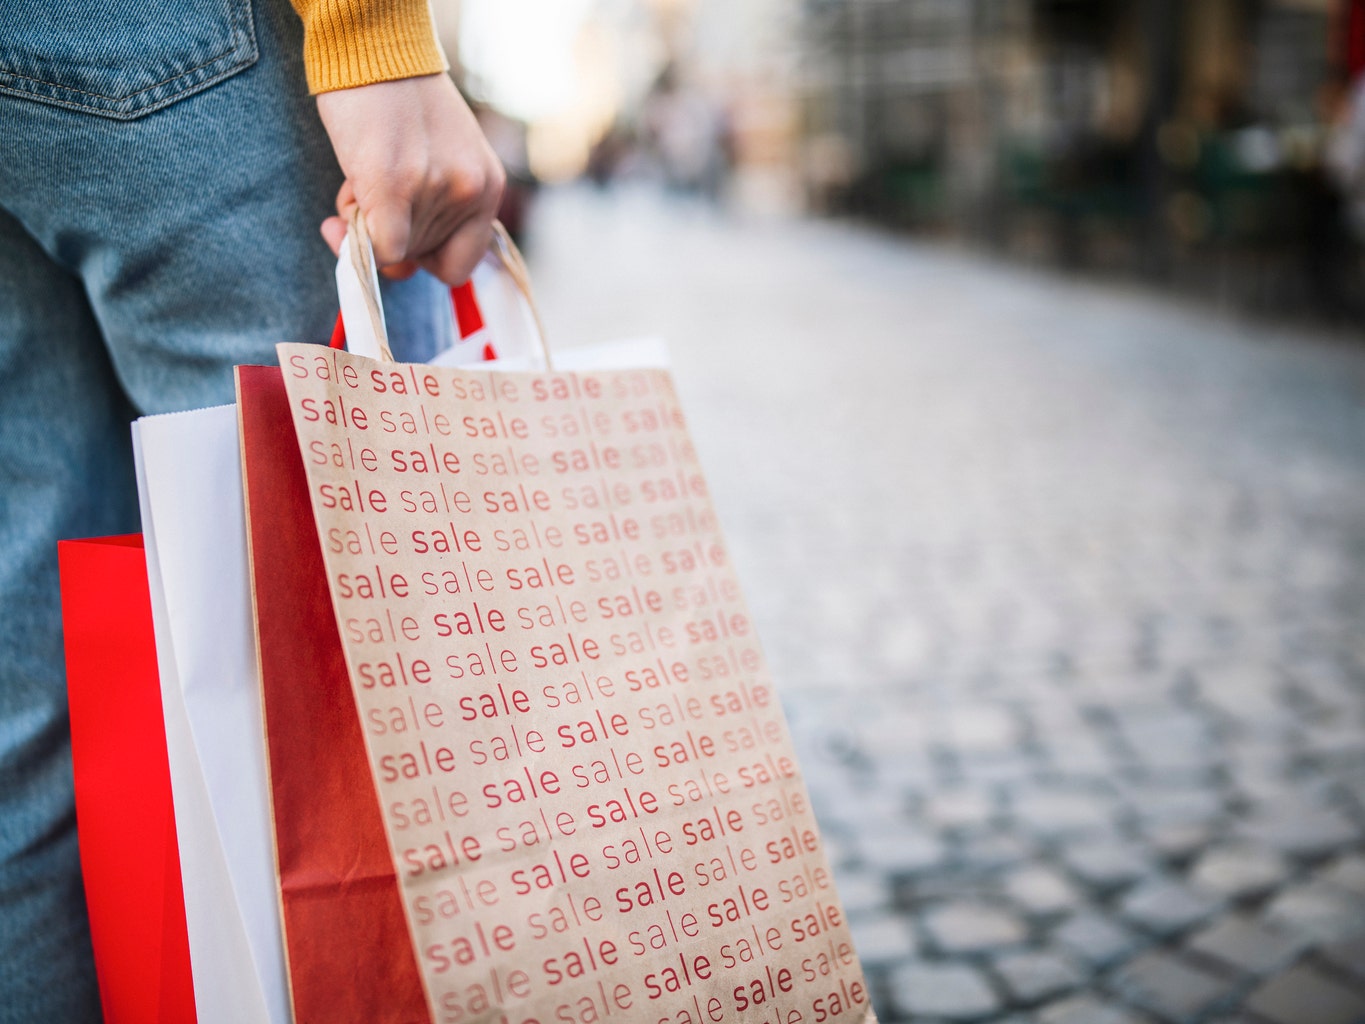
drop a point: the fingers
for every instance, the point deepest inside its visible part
(346, 200)
(400, 271)
(443, 237)
(334, 228)
(452, 250)
(334, 233)
(390, 225)
(456, 259)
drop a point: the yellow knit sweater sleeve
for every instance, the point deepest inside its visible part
(357, 42)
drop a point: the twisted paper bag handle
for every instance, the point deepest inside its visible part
(502, 246)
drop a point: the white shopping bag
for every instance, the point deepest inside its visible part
(194, 533)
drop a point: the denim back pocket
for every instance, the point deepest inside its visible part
(121, 58)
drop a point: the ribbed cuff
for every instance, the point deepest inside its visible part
(358, 42)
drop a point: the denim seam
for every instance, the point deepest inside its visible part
(105, 96)
(126, 115)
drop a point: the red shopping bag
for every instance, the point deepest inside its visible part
(129, 856)
(346, 939)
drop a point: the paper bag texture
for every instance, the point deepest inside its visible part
(583, 772)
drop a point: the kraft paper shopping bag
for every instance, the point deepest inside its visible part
(348, 951)
(583, 774)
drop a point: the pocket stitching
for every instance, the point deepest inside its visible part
(126, 96)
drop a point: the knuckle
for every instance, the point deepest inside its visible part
(409, 179)
(497, 181)
(466, 185)
(474, 182)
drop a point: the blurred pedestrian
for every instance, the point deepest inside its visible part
(163, 172)
(1335, 203)
(1345, 156)
(689, 135)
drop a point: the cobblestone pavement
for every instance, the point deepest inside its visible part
(1064, 584)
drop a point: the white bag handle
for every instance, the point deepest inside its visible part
(362, 310)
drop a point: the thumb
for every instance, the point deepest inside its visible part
(333, 232)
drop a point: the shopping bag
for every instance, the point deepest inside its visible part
(339, 890)
(346, 935)
(129, 856)
(189, 484)
(583, 777)
(190, 487)
(346, 931)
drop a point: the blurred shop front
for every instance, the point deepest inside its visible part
(1214, 144)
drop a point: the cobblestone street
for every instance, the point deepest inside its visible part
(1063, 583)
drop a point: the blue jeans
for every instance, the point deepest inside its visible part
(162, 176)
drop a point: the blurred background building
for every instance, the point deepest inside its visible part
(1188, 139)
(1212, 144)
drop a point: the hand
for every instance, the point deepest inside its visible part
(420, 168)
